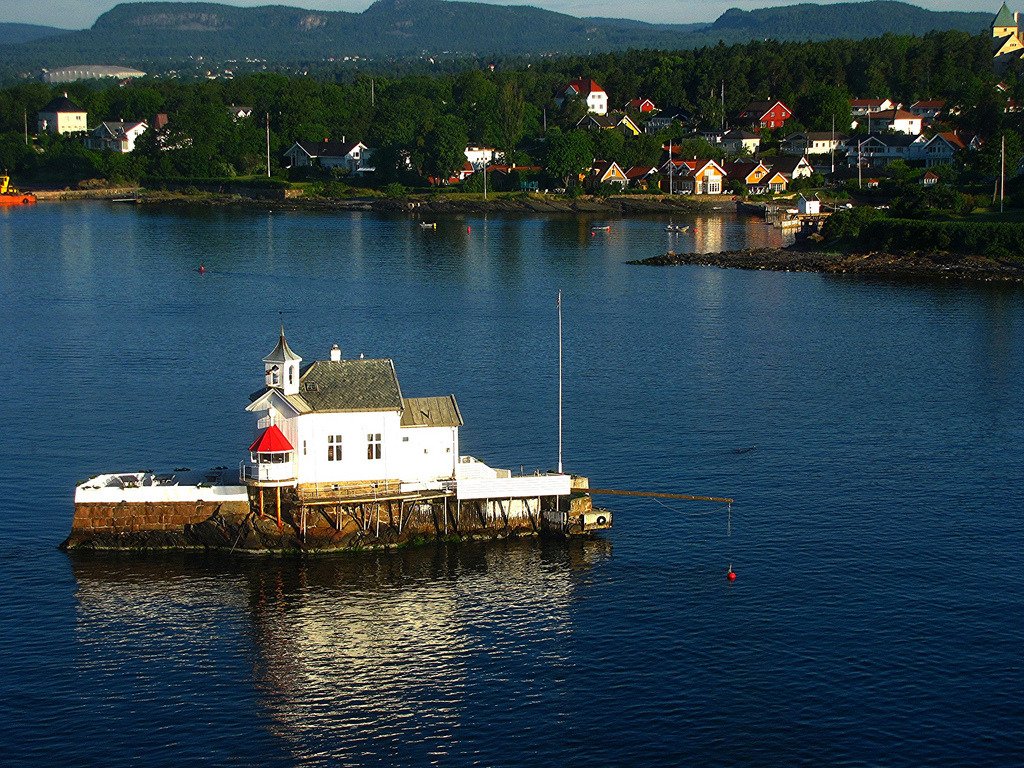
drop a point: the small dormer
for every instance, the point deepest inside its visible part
(281, 367)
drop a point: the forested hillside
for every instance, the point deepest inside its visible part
(428, 119)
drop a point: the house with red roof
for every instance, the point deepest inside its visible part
(897, 121)
(593, 94)
(643, 106)
(946, 147)
(695, 177)
(765, 114)
(345, 422)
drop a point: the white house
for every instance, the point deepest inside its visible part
(812, 143)
(345, 422)
(594, 95)
(478, 157)
(808, 206)
(865, 107)
(352, 155)
(738, 141)
(344, 426)
(61, 115)
(897, 121)
(116, 135)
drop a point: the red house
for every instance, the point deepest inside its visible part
(766, 114)
(643, 106)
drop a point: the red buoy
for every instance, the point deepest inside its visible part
(731, 576)
(202, 270)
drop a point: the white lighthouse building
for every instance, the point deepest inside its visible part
(344, 423)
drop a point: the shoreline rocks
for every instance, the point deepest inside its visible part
(916, 264)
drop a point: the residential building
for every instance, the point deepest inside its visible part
(696, 176)
(610, 121)
(346, 423)
(791, 166)
(739, 142)
(808, 206)
(351, 156)
(929, 110)
(752, 173)
(478, 156)
(643, 106)
(765, 114)
(897, 121)
(665, 118)
(606, 172)
(930, 179)
(865, 107)
(879, 149)
(239, 112)
(593, 94)
(812, 143)
(116, 135)
(63, 116)
(946, 147)
(640, 175)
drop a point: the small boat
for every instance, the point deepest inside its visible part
(428, 225)
(601, 228)
(11, 196)
(677, 228)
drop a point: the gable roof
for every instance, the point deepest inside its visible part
(950, 138)
(868, 102)
(639, 171)
(761, 108)
(785, 163)
(637, 103)
(895, 114)
(740, 169)
(583, 86)
(929, 104)
(431, 412)
(602, 168)
(737, 134)
(62, 104)
(327, 148)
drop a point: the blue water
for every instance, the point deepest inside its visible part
(878, 617)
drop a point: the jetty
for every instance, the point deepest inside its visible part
(339, 459)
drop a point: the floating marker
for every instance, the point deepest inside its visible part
(202, 270)
(731, 575)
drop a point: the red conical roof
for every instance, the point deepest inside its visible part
(271, 441)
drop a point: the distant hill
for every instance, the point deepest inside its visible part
(133, 32)
(12, 34)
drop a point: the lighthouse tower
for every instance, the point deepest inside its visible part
(281, 367)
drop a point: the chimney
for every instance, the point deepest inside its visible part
(335, 353)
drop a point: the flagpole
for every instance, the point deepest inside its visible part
(559, 382)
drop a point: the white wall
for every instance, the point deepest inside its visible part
(312, 429)
(428, 453)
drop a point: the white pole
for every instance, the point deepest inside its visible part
(832, 146)
(860, 173)
(559, 382)
(268, 145)
(671, 166)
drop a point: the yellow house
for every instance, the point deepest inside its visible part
(778, 182)
(606, 172)
(701, 177)
(751, 172)
(61, 115)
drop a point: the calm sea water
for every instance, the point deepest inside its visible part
(878, 617)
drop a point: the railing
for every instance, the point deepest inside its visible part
(266, 473)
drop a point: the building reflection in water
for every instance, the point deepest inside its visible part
(369, 654)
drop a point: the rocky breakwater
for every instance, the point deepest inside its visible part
(915, 264)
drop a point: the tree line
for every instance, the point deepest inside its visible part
(424, 122)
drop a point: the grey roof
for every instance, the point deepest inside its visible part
(350, 385)
(327, 148)
(737, 133)
(431, 412)
(783, 163)
(282, 352)
(1004, 18)
(61, 104)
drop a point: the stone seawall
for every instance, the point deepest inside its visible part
(237, 526)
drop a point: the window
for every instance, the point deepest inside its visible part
(334, 447)
(291, 374)
(373, 446)
(273, 377)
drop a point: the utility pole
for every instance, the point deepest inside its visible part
(26, 127)
(860, 172)
(723, 105)
(373, 97)
(485, 177)
(671, 167)
(268, 145)
(545, 119)
(1002, 172)
(832, 146)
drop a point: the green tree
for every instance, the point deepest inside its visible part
(444, 147)
(569, 154)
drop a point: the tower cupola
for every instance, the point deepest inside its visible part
(281, 367)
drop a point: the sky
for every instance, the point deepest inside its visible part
(79, 14)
